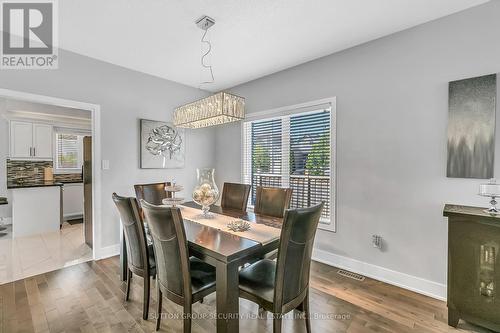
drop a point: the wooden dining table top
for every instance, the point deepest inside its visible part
(222, 245)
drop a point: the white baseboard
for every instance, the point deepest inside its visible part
(406, 281)
(108, 251)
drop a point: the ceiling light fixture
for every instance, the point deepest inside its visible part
(220, 108)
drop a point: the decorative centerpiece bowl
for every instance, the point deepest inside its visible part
(206, 192)
(491, 190)
(238, 225)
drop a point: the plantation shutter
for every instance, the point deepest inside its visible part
(67, 151)
(291, 151)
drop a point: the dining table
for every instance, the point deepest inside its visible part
(227, 252)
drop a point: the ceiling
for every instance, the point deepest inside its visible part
(31, 108)
(251, 38)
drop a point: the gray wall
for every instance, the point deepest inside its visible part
(392, 104)
(125, 96)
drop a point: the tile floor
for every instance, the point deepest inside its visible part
(32, 255)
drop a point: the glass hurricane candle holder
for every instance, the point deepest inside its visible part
(491, 190)
(206, 192)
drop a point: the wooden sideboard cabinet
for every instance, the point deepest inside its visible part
(473, 266)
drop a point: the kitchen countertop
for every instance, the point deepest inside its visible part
(29, 184)
(70, 181)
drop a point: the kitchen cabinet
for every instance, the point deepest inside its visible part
(30, 140)
(21, 139)
(73, 201)
(36, 210)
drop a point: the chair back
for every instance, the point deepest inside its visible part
(272, 201)
(152, 193)
(294, 255)
(171, 250)
(235, 196)
(133, 228)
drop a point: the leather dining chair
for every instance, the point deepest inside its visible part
(235, 196)
(272, 201)
(153, 193)
(140, 256)
(182, 279)
(283, 285)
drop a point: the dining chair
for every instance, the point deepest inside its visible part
(140, 255)
(283, 285)
(153, 193)
(182, 279)
(272, 201)
(235, 196)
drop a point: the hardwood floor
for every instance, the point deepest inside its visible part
(89, 297)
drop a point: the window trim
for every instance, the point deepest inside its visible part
(303, 108)
(80, 155)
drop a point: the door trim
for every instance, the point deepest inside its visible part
(95, 110)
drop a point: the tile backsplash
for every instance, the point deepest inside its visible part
(68, 177)
(34, 171)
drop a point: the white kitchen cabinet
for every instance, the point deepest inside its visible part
(30, 140)
(36, 210)
(21, 139)
(42, 141)
(72, 201)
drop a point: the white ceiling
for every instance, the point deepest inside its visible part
(13, 105)
(251, 38)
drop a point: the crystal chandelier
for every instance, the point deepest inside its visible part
(217, 109)
(213, 110)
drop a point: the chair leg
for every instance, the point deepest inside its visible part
(145, 310)
(187, 318)
(201, 301)
(307, 313)
(129, 281)
(277, 323)
(158, 309)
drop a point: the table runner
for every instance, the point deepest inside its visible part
(258, 232)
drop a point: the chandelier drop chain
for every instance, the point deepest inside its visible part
(209, 67)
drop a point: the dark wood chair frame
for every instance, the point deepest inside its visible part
(145, 272)
(244, 187)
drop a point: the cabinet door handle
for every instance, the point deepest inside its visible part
(31, 151)
(34, 151)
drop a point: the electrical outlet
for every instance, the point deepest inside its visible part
(377, 241)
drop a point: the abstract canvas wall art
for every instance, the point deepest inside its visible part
(471, 127)
(162, 145)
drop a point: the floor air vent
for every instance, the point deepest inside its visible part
(351, 275)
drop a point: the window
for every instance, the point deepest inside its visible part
(68, 152)
(293, 151)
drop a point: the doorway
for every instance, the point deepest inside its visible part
(68, 132)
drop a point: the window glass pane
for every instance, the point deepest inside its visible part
(67, 151)
(266, 154)
(310, 160)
